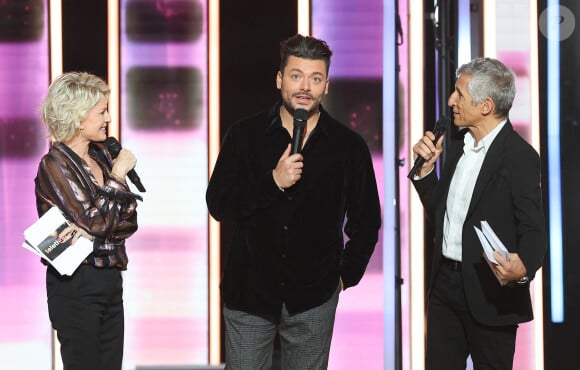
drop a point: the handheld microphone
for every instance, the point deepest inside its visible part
(114, 148)
(300, 118)
(439, 130)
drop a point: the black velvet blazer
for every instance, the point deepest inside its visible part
(288, 246)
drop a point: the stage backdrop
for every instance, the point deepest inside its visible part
(24, 75)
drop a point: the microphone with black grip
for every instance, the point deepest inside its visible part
(300, 118)
(115, 148)
(439, 130)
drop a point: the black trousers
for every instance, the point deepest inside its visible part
(453, 334)
(86, 310)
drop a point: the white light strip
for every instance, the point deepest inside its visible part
(554, 182)
(55, 45)
(113, 80)
(304, 17)
(416, 227)
(214, 309)
(390, 207)
(537, 285)
(534, 78)
(489, 29)
(55, 344)
(55, 22)
(463, 33)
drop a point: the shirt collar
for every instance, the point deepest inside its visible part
(274, 117)
(485, 143)
(275, 122)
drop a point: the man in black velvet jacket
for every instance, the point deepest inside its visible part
(288, 259)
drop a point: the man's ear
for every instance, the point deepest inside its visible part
(279, 80)
(487, 106)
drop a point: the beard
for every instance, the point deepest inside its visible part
(292, 107)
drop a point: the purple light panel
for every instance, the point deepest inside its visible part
(164, 122)
(354, 32)
(24, 75)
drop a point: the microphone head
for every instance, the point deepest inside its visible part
(113, 146)
(442, 125)
(300, 117)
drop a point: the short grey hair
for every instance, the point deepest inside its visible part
(69, 99)
(492, 79)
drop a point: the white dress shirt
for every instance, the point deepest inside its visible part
(461, 190)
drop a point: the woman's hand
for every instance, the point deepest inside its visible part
(73, 233)
(124, 163)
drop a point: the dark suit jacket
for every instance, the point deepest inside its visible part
(507, 194)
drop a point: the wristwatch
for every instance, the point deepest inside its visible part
(523, 280)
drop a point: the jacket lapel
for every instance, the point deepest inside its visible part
(489, 168)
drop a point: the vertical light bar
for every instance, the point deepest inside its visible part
(555, 186)
(304, 17)
(113, 66)
(534, 78)
(55, 38)
(214, 312)
(389, 158)
(537, 285)
(56, 359)
(463, 33)
(489, 29)
(55, 24)
(416, 242)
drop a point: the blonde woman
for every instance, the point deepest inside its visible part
(79, 176)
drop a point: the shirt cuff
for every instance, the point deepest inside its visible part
(417, 177)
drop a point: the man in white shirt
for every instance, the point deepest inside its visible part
(490, 174)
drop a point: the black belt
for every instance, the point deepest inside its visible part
(451, 264)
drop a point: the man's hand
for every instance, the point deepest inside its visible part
(512, 269)
(288, 171)
(429, 150)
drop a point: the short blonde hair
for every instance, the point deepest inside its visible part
(69, 99)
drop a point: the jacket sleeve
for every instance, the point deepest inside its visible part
(236, 190)
(426, 189)
(363, 212)
(108, 213)
(527, 202)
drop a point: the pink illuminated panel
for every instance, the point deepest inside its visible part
(353, 30)
(164, 122)
(24, 75)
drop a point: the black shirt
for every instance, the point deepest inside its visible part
(288, 246)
